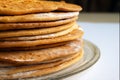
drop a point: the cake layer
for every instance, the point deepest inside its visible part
(37, 56)
(51, 16)
(38, 70)
(46, 36)
(32, 43)
(32, 25)
(34, 32)
(17, 7)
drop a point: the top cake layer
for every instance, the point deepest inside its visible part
(18, 7)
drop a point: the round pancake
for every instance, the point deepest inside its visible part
(35, 47)
(16, 69)
(17, 7)
(37, 56)
(14, 26)
(7, 64)
(44, 71)
(71, 36)
(32, 32)
(51, 16)
(4, 64)
(46, 36)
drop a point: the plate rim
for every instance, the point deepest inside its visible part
(93, 61)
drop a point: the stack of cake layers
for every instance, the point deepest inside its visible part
(38, 37)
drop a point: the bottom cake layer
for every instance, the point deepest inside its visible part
(39, 69)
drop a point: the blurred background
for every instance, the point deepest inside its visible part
(98, 10)
(97, 5)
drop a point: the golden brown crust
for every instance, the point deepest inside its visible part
(46, 36)
(71, 36)
(24, 68)
(43, 71)
(17, 7)
(34, 32)
(6, 65)
(37, 56)
(51, 16)
(13, 26)
(35, 47)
